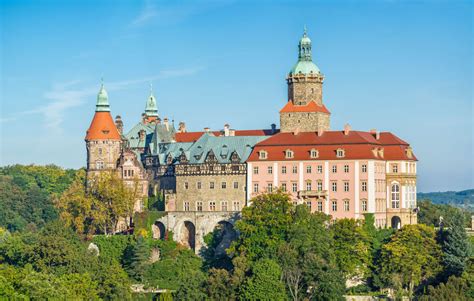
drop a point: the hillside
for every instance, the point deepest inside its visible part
(463, 199)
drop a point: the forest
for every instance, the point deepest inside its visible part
(50, 225)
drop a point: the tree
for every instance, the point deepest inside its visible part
(411, 256)
(351, 248)
(455, 246)
(140, 260)
(455, 288)
(265, 283)
(264, 226)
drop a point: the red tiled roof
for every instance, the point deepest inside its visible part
(193, 136)
(356, 144)
(102, 128)
(310, 107)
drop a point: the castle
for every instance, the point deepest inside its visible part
(207, 177)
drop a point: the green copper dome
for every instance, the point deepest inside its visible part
(151, 109)
(305, 63)
(102, 101)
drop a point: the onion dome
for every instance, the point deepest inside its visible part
(151, 108)
(102, 101)
(305, 63)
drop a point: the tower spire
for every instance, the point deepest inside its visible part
(151, 109)
(102, 99)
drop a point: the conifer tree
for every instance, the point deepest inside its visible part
(139, 260)
(455, 246)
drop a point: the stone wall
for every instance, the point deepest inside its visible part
(206, 194)
(303, 89)
(106, 151)
(304, 122)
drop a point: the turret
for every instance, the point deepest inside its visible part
(151, 109)
(103, 140)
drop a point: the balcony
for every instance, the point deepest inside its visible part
(312, 193)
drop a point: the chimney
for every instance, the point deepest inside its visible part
(119, 124)
(226, 130)
(165, 122)
(320, 132)
(375, 133)
(182, 127)
(273, 128)
(207, 130)
(347, 129)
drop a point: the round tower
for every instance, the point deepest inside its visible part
(304, 111)
(103, 140)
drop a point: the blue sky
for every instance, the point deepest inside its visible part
(400, 66)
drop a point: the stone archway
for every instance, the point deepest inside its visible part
(158, 230)
(188, 235)
(225, 235)
(396, 222)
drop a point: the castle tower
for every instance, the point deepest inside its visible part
(103, 140)
(151, 109)
(305, 111)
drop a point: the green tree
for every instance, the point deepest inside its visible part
(140, 260)
(455, 288)
(351, 247)
(455, 246)
(264, 226)
(411, 256)
(264, 282)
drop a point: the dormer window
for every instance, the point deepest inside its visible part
(289, 154)
(262, 155)
(313, 154)
(409, 152)
(340, 153)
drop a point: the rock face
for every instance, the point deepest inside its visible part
(93, 249)
(154, 255)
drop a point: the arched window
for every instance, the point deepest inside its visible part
(395, 196)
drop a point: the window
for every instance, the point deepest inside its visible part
(364, 168)
(313, 153)
(294, 187)
(236, 185)
(320, 186)
(199, 206)
(295, 169)
(212, 206)
(340, 153)
(320, 169)
(289, 154)
(255, 170)
(99, 165)
(395, 196)
(283, 186)
(334, 205)
(236, 206)
(395, 168)
(224, 206)
(308, 186)
(269, 187)
(364, 186)
(211, 185)
(199, 185)
(308, 169)
(364, 205)
(100, 151)
(334, 186)
(308, 203)
(262, 155)
(346, 186)
(186, 206)
(224, 185)
(320, 206)
(346, 168)
(186, 185)
(346, 205)
(255, 187)
(334, 168)
(270, 170)
(283, 169)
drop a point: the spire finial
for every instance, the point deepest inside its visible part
(151, 88)
(305, 31)
(102, 81)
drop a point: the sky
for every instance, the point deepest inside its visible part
(399, 66)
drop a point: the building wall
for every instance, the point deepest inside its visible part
(303, 89)
(304, 122)
(102, 155)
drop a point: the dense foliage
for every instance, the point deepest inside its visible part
(462, 199)
(48, 220)
(430, 214)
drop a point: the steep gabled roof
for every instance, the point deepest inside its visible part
(310, 107)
